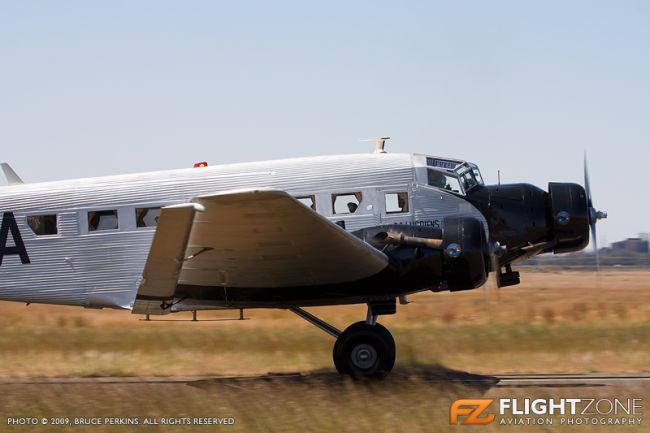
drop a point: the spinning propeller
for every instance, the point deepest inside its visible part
(594, 215)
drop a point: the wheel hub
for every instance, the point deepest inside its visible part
(364, 356)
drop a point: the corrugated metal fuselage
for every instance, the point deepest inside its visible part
(103, 268)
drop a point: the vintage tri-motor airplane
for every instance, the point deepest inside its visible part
(330, 230)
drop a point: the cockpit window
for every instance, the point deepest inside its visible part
(468, 180)
(477, 174)
(470, 176)
(442, 180)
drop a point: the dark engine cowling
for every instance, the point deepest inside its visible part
(516, 213)
(521, 215)
(452, 258)
(570, 216)
(464, 253)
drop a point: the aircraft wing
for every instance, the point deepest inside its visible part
(260, 239)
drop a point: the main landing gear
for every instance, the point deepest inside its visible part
(364, 349)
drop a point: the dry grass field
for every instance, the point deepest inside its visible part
(554, 322)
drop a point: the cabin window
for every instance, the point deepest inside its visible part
(43, 225)
(308, 200)
(147, 216)
(347, 203)
(397, 202)
(102, 220)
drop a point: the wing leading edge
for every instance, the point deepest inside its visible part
(261, 239)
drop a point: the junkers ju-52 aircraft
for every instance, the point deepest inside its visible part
(330, 230)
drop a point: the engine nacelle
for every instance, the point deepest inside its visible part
(570, 216)
(464, 253)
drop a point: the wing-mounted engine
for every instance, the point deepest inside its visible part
(454, 257)
(569, 217)
(465, 253)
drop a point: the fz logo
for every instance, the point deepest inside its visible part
(472, 409)
(18, 248)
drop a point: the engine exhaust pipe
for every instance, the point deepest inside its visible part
(400, 239)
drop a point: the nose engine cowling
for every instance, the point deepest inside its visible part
(526, 220)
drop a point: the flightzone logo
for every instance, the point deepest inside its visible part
(542, 411)
(472, 410)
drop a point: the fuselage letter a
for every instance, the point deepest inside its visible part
(9, 225)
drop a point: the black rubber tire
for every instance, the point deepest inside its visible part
(364, 338)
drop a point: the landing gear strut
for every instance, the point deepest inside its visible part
(364, 349)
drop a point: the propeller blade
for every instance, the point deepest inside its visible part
(594, 240)
(587, 187)
(594, 215)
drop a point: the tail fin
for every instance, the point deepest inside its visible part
(10, 174)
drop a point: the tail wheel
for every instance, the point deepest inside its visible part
(364, 350)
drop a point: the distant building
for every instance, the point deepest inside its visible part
(631, 245)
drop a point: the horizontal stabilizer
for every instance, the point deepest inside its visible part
(10, 174)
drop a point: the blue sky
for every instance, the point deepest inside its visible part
(94, 88)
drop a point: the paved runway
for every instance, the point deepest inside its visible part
(500, 380)
(568, 380)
